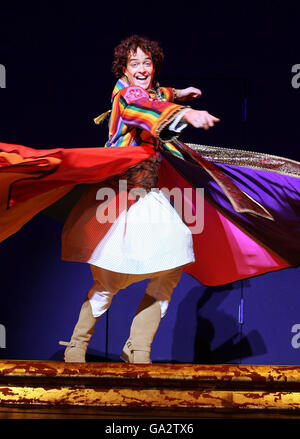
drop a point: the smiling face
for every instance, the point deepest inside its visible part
(139, 69)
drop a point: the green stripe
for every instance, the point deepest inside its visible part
(144, 110)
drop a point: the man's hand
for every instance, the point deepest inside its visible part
(200, 119)
(187, 94)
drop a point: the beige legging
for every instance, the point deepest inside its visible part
(107, 283)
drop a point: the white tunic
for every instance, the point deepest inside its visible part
(149, 237)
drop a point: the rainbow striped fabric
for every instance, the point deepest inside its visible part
(138, 116)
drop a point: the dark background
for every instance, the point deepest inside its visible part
(58, 60)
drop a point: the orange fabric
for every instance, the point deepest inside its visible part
(74, 166)
(31, 180)
(82, 231)
(15, 167)
(11, 220)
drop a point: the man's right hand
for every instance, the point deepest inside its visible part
(200, 119)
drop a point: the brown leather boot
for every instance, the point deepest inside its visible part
(83, 331)
(143, 329)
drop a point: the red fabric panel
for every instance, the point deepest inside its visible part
(78, 165)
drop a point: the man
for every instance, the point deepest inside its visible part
(135, 247)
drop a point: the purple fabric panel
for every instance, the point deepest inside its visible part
(278, 193)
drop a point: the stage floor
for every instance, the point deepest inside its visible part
(56, 390)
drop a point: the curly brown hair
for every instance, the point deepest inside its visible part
(130, 44)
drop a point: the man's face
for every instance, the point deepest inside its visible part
(139, 69)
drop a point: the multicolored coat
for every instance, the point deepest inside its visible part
(140, 117)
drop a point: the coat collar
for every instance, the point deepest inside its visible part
(122, 83)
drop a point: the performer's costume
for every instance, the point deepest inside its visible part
(251, 207)
(141, 240)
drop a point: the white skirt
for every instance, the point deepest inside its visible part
(149, 237)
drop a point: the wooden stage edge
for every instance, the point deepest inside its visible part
(51, 389)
